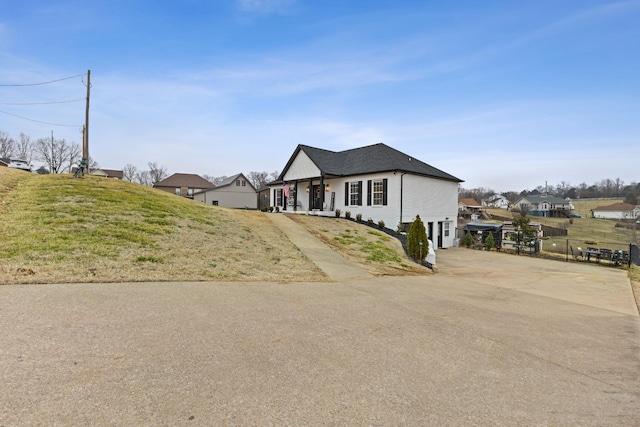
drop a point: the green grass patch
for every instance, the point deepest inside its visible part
(150, 258)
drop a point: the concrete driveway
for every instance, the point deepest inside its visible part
(491, 340)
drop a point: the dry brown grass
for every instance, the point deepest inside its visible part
(60, 229)
(377, 252)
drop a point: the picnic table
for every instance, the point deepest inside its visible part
(617, 257)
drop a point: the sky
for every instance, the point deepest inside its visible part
(505, 95)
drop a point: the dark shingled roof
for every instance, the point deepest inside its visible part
(188, 180)
(366, 160)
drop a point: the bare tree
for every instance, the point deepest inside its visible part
(523, 209)
(217, 180)
(24, 148)
(144, 178)
(7, 145)
(274, 175)
(129, 173)
(209, 178)
(258, 179)
(73, 157)
(55, 153)
(157, 173)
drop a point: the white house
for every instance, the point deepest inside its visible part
(376, 181)
(496, 201)
(616, 211)
(234, 192)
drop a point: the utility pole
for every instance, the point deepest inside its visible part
(85, 144)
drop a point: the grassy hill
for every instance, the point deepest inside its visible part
(57, 228)
(61, 229)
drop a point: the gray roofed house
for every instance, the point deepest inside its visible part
(376, 181)
(233, 192)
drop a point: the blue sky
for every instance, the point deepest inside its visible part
(504, 95)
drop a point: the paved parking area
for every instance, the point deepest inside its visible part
(472, 345)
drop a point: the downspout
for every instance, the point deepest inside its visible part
(401, 191)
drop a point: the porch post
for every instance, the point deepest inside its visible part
(321, 192)
(295, 197)
(310, 194)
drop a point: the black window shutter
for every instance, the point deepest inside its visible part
(359, 193)
(346, 194)
(368, 192)
(384, 192)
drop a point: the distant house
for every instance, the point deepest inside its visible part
(545, 205)
(376, 181)
(106, 173)
(184, 184)
(4, 162)
(616, 211)
(468, 207)
(234, 192)
(496, 201)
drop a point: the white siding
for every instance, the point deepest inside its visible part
(613, 214)
(230, 196)
(302, 167)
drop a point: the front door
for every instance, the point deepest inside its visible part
(317, 197)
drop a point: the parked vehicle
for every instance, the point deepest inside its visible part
(20, 164)
(575, 215)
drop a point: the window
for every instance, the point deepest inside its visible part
(353, 193)
(237, 183)
(377, 192)
(277, 195)
(214, 202)
(178, 192)
(244, 183)
(446, 229)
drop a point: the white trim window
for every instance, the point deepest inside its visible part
(378, 192)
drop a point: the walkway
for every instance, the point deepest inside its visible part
(333, 264)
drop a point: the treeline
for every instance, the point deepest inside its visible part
(60, 156)
(606, 188)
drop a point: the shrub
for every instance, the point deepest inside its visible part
(417, 234)
(277, 208)
(347, 215)
(359, 217)
(489, 242)
(468, 239)
(381, 224)
(370, 221)
(338, 213)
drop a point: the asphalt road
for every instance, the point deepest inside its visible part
(457, 348)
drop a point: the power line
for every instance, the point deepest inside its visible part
(43, 83)
(42, 103)
(38, 121)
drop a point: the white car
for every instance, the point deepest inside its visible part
(20, 164)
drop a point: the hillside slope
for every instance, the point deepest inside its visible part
(61, 229)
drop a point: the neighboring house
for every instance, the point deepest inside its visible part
(184, 184)
(106, 173)
(468, 207)
(545, 205)
(4, 162)
(233, 192)
(375, 181)
(616, 211)
(496, 201)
